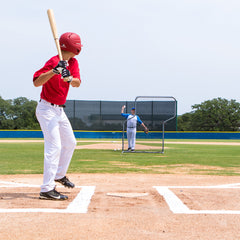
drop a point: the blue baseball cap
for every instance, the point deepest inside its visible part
(133, 108)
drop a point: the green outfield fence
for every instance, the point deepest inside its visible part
(106, 115)
(118, 134)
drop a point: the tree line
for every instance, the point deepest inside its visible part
(218, 114)
(18, 113)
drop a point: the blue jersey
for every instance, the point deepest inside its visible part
(132, 120)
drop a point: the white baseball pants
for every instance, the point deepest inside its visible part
(59, 143)
(131, 136)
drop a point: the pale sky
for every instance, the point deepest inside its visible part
(189, 49)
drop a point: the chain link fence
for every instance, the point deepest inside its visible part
(106, 115)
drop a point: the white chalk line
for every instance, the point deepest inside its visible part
(178, 207)
(81, 202)
(225, 186)
(203, 187)
(14, 185)
(174, 203)
(33, 210)
(229, 185)
(78, 205)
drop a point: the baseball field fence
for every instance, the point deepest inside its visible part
(106, 115)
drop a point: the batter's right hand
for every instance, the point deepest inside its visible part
(61, 65)
(65, 73)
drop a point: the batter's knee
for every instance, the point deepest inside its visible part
(71, 143)
(52, 151)
(74, 142)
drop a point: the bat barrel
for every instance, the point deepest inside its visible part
(54, 31)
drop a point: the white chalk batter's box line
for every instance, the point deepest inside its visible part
(178, 207)
(82, 200)
(78, 205)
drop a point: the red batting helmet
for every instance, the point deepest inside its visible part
(70, 42)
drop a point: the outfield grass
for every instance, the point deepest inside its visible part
(27, 158)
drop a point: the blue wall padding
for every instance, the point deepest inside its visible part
(142, 135)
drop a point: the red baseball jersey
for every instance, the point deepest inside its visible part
(55, 90)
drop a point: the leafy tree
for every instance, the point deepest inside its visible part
(18, 114)
(218, 114)
(6, 114)
(24, 110)
(184, 122)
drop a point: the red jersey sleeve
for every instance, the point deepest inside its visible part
(74, 69)
(50, 64)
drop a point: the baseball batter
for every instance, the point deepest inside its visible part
(132, 120)
(56, 77)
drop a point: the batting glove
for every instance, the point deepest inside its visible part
(61, 65)
(65, 73)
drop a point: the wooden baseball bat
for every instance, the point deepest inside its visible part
(54, 32)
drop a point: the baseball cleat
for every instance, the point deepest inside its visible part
(132, 150)
(52, 195)
(65, 182)
(129, 149)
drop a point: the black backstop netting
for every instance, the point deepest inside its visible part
(106, 115)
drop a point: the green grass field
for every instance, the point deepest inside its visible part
(27, 158)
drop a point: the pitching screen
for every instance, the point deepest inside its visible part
(154, 111)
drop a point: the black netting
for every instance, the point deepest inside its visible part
(105, 115)
(155, 112)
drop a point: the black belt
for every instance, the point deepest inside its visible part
(131, 127)
(63, 106)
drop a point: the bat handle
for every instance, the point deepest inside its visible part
(58, 49)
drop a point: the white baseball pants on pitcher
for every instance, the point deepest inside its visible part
(59, 142)
(131, 136)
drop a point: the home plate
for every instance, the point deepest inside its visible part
(127, 195)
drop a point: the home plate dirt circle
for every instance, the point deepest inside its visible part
(127, 195)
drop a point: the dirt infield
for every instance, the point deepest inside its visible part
(147, 217)
(115, 146)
